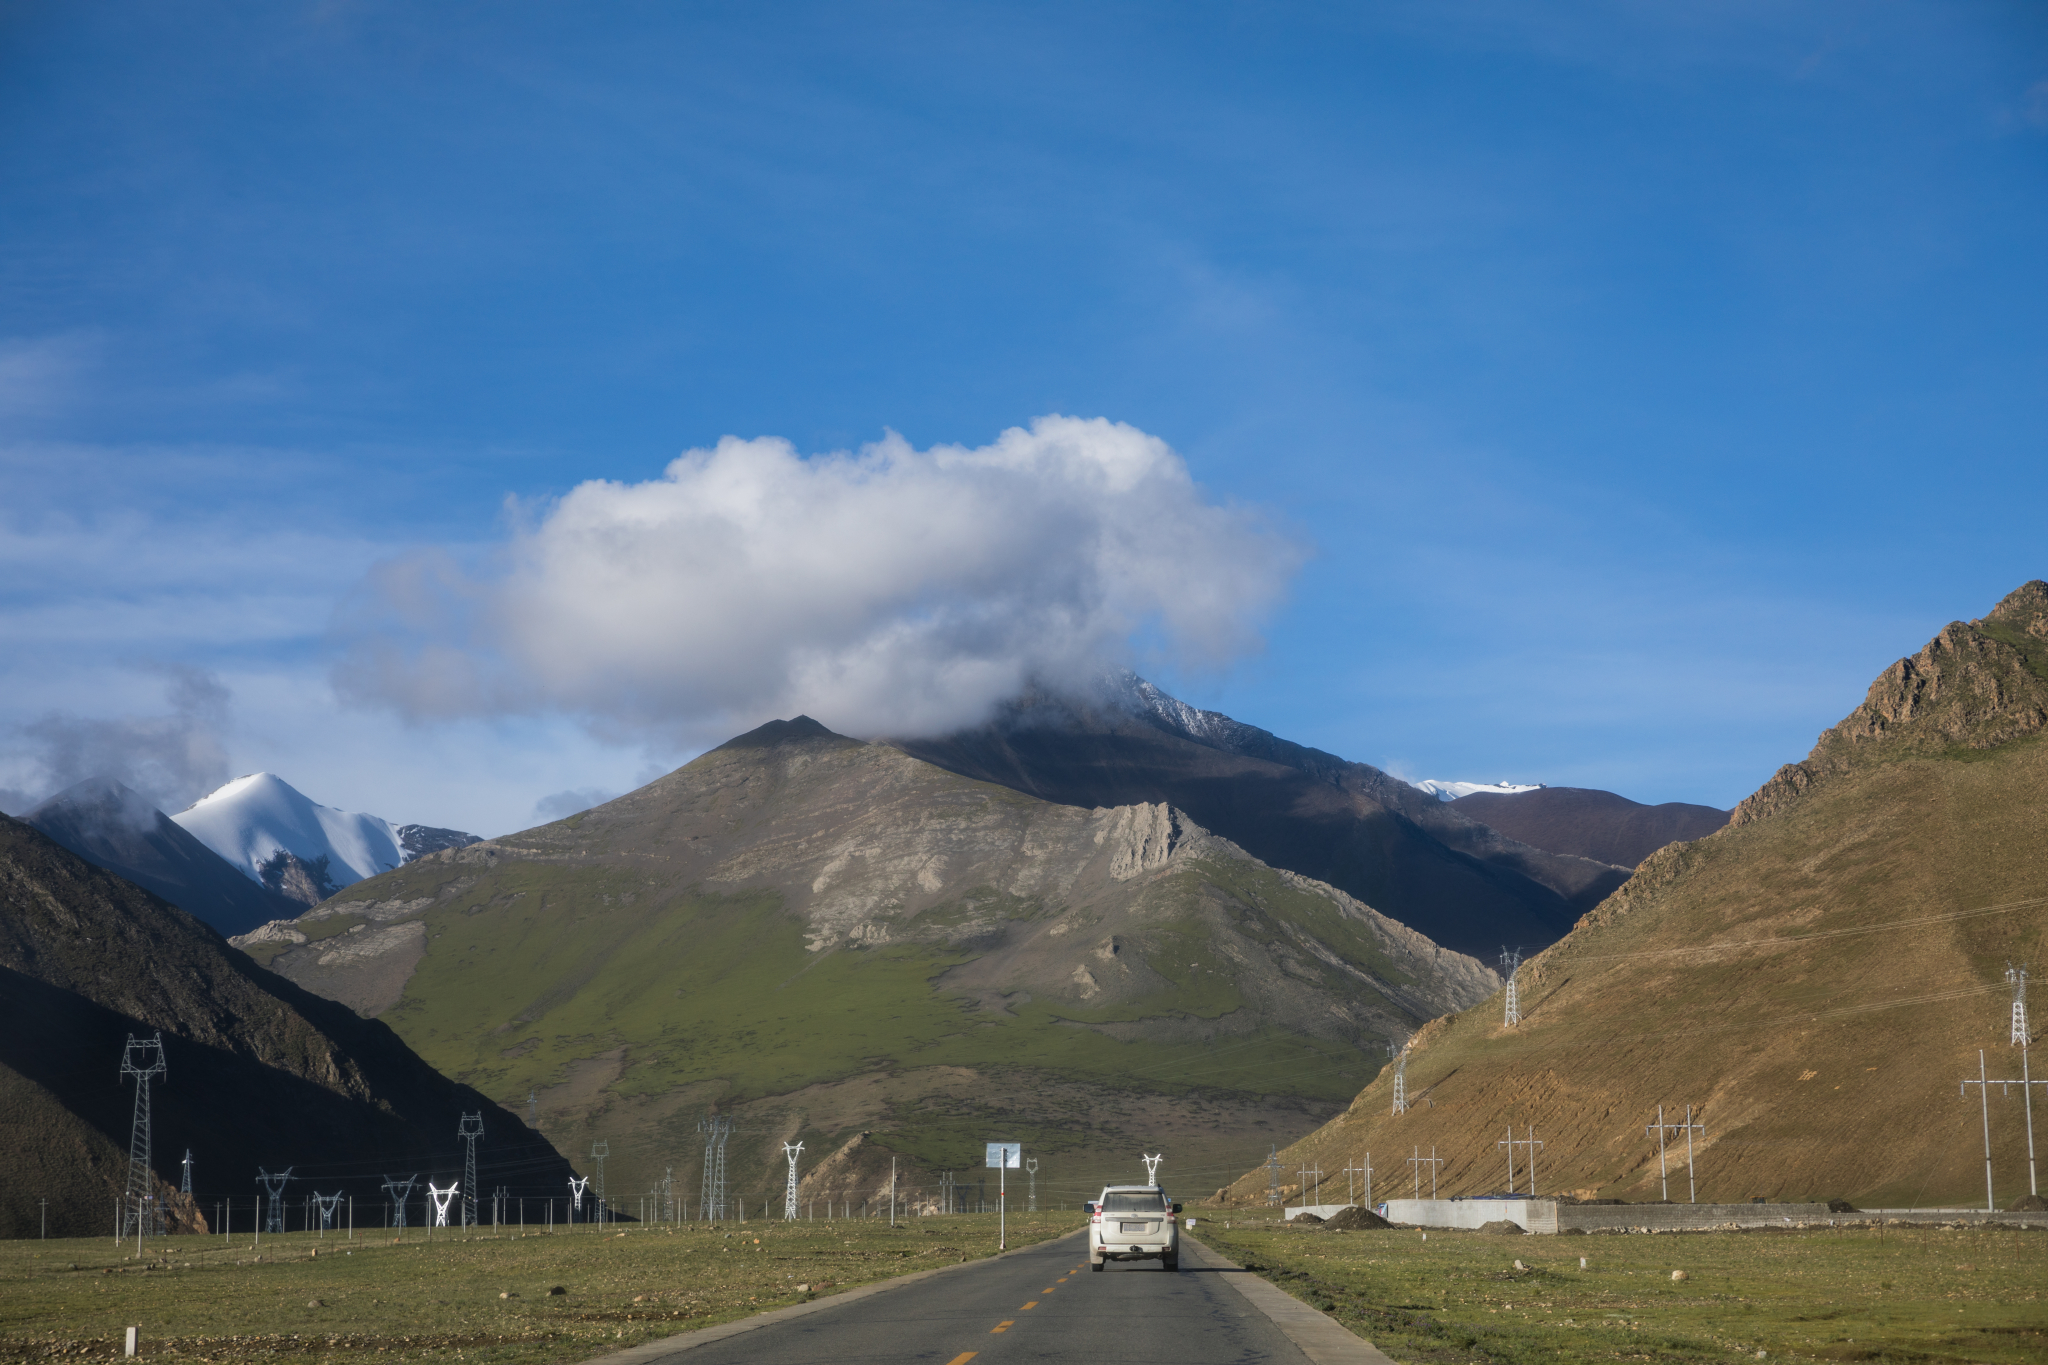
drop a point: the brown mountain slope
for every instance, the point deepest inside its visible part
(1589, 823)
(260, 1071)
(822, 937)
(1813, 979)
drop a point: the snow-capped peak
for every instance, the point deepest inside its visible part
(253, 819)
(1451, 791)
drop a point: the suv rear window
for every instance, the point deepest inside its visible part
(1131, 1202)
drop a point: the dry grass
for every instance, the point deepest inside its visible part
(1920, 1295)
(453, 1298)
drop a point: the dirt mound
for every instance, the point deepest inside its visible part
(1502, 1227)
(1354, 1218)
(2032, 1203)
(1304, 1217)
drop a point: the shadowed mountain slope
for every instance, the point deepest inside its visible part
(260, 1072)
(1589, 823)
(117, 829)
(824, 937)
(1398, 849)
(1813, 979)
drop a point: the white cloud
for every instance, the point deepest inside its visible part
(885, 591)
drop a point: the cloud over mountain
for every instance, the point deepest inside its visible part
(885, 590)
(172, 759)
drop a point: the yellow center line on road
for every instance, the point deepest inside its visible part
(1029, 1306)
(963, 1358)
(1003, 1326)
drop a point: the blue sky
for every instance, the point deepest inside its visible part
(1629, 383)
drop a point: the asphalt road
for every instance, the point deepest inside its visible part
(1041, 1304)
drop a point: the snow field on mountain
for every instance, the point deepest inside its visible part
(251, 818)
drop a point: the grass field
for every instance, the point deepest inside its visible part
(484, 1299)
(1923, 1295)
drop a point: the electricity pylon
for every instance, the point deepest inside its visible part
(789, 1196)
(1273, 1176)
(442, 1199)
(273, 1211)
(400, 1194)
(471, 1129)
(2017, 976)
(143, 1059)
(1400, 1081)
(328, 1204)
(185, 1183)
(712, 1199)
(1152, 1168)
(577, 1185)
(1031, 1203)
(1511, 958)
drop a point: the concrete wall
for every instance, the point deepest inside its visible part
(1547, 1215)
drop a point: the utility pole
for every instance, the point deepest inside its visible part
(142, 1058)
(1366, 1171)
(1306, 1172)
(789, 1195)
(598, 1152)
(471, 1129)
(1418, 1161)
(1511, 958)
(399, 1195)
(892, 1191)
(1400, 1081)
(1692, 1189)
(2026, 1082)
(1031, 1200)
(1532, 1143)
(1273, 1176)
(1660, 1128)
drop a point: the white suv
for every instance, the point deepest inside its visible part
(1133, 1223)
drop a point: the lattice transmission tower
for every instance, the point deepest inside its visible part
(1031, 1165)
(1400, 1080)
(273, 1208)
(1511, 958)
(598, 1152)
(789, 1195)
(472, 1128)
(143, 1059)
(712, 1199)
(2017, 978)
(1152, 1168)
(400, 1196)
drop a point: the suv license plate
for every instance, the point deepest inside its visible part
(1135, 1227)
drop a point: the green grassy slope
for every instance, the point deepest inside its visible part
(830, 938)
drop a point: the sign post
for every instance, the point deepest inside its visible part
(1003, 1156)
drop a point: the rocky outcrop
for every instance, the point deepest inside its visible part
(1974, 687)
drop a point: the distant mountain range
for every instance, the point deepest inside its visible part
(260, 1072)
(1395, 847)
(1451, 791)
(1590, 823)
(1811, 979)
(253, 851)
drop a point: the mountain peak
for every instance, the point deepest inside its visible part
(781, 732)
(1975, 686)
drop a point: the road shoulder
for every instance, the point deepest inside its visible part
(1317, 1335)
